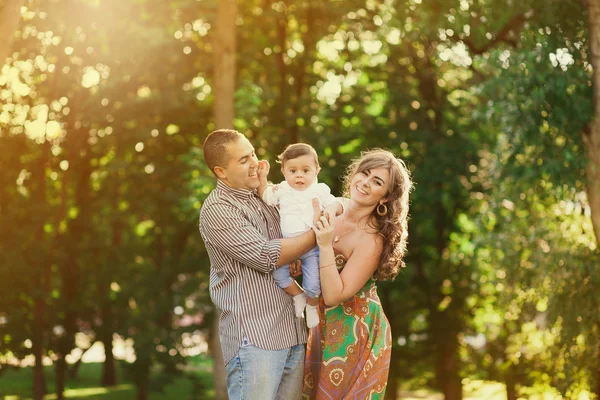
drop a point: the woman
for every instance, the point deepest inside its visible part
(348, 353)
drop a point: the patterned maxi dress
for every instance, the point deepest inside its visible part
(348, 353)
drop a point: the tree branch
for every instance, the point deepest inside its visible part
(503, 36)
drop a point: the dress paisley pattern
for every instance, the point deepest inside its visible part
(348, 353)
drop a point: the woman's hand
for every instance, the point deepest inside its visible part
(316, 210)
(296, 268)
(321, 225)
(324, 231)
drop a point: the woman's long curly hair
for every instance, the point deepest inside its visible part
(393, 226)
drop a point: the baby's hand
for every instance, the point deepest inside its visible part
(263, 169)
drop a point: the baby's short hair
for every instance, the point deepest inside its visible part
(297, 150)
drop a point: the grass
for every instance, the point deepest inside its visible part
(473, 390)
(489, 390)
(195, 384)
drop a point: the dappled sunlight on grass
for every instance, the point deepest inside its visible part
(476, 389)
(16, 385)
(196, 381)
(420, 395)
(92, 392)
(487, 390)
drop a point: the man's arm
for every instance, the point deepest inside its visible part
(293, 248)
(227, 229)
(224, 227)
(268, 192)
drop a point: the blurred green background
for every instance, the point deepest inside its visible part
(104, 105)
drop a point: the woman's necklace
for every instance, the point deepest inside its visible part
(342, 233)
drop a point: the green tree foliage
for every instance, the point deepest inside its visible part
(105, 105)
(539, 191)
(97, 133)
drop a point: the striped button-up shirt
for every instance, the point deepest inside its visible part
(241, 234)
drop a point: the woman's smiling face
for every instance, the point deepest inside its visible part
(370, 186)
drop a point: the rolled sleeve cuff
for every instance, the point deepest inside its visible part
(272, 252)
(270, 196)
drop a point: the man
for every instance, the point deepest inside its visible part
(262, 340)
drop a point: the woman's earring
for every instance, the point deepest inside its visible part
(379, 211)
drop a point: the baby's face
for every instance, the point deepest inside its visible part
(300, 172)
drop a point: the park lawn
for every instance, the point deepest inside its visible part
(16, 384)
(476, 389)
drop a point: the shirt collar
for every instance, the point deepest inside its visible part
(239, 193)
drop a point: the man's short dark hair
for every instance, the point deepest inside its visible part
(215, 147)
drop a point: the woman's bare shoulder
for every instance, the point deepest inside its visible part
(369, 244)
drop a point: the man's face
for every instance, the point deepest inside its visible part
(240, 171)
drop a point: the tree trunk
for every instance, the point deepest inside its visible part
(10, 17)
(142, 393)
(591, 137)
(511, 387)
(225, 78)
(597, 388)
(65, 344)
(453, 389)
(141, 371)
(42, 282)
(109, 376)
(39, 380)
(69, 271)
(447, 375)
(219, 363)
(225, 60)
(61, 373)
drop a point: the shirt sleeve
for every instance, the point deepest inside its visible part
(343, 201)
(272, 194)
(226, 228)
(324, 195)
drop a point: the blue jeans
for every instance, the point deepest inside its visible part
(310, 273)
(257, 374)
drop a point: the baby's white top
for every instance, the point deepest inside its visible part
(295, 206)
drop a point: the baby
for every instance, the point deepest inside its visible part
(300, 167)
